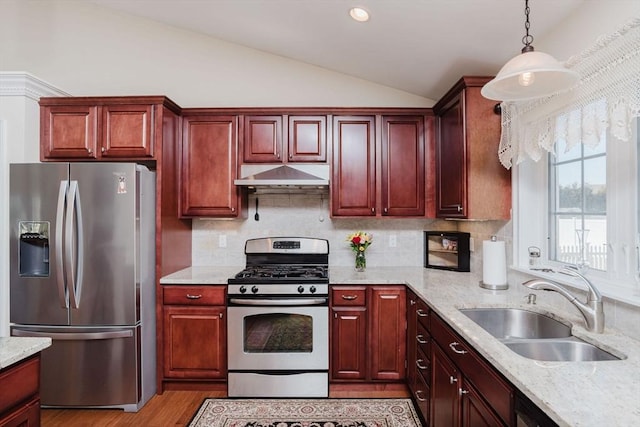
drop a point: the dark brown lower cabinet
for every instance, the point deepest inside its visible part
(465, 390)
(195, 333)
(368, 333)
(20, 394)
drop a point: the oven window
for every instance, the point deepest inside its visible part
(278, 333)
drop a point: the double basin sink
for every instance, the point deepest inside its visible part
(535, 335)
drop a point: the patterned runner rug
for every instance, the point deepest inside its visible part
(306, 413)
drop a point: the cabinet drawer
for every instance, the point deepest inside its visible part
(422, 395)
(349, 296)
(488, 383)
(423, 338)
(422, 313)
(19, 382)
(423, 365)
(194, 295)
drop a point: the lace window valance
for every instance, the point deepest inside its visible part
(607, 97)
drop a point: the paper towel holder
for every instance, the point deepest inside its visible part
(494, 287)
(447, 250)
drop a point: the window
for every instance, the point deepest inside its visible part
(581, 206)
(578, 204)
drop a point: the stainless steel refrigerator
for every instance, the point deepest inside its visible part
(82, 272)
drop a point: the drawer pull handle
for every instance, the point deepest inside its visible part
(349, 297)
(421, 339)
(452, 379)
(189, 296)
(421, 313)
(419, 396)
(453, 345)
(422, 367)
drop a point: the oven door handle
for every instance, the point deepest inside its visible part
(279, 302)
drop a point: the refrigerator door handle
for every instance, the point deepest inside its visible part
(69, 336)
(63, 295)
(75, 265)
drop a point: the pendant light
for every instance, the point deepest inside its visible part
(530, 74)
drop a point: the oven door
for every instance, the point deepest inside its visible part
(278, 336)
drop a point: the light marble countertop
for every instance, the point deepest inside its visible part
(576, 394)
(15, 349)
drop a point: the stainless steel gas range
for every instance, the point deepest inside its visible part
(278, 320)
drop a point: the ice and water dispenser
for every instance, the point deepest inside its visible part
(33, 251)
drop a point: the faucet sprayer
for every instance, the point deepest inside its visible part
(592, 310)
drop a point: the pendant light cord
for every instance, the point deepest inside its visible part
(527, 39)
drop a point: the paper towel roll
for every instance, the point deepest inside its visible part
(494, 265)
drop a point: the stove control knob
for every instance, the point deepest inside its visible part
(313, 289)
(243, 289)
(254, 289)
(300, 289)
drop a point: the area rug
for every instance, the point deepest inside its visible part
(306, 413)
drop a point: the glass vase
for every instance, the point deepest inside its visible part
(361, 261)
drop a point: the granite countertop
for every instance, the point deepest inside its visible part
(15, 349)
(571, 393)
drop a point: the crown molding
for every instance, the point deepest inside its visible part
(27, 85)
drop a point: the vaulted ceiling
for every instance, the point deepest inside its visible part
(418, 46)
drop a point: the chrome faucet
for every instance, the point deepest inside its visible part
(592, 311)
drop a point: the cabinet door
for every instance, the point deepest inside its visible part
(388, 332)
(353, 184)
(195, 342)
(262, 139)
(445, 406)
(209, 167)
(348, 343)
(475, 412)
(127, 131)
(27, 415)
(451, 178)
(403, 166)
(307, 139)
(69, 132)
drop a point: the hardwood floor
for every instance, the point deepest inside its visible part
(172, 408)
(175, 408)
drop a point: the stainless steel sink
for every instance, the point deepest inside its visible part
(516, 323)
(557, 350)
(535, 335)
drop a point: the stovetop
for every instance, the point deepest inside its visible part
(277, 273)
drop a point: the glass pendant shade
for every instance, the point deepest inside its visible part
(529, 75)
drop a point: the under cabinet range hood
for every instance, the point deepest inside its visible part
(302, 175)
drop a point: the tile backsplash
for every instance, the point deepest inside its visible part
(221, 242)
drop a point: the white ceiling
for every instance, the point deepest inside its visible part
(418, 46)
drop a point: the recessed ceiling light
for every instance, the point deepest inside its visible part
(359, 14)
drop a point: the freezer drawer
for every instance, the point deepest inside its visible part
(89, 367)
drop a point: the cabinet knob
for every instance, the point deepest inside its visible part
(419, 396)
(373, 210)
(421, 313)
(220, 315)
(290, 156)
(90, 151)
(349, 297)
(421, 339)
(459, 208)
(189, 296)
(462, 392)
(420, 365)
(452, 379)
(386, 210)
(453, 345)
(233, 209)
(412, 302)
(103, 149)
